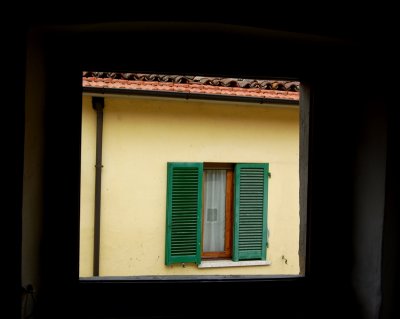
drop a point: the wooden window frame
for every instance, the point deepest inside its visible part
(227, 253)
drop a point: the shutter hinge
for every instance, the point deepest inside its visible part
(269, 174)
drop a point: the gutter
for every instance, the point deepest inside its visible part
(187, 96)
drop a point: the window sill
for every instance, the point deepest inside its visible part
(230, 263)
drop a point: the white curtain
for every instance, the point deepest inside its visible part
(214, 211)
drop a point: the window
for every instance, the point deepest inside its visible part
(112, 298)
(200, 207)
(217, 211)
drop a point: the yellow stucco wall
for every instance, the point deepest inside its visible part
(140, 136)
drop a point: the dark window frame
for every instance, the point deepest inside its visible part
(112, 297)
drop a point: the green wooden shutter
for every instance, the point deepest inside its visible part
(184, 206)
(250, 216)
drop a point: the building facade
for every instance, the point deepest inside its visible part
(144, 135)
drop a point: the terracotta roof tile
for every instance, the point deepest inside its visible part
(270, 89)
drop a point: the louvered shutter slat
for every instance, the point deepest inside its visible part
(184, 204)
(250, 227)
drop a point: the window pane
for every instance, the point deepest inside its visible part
(214, 211)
